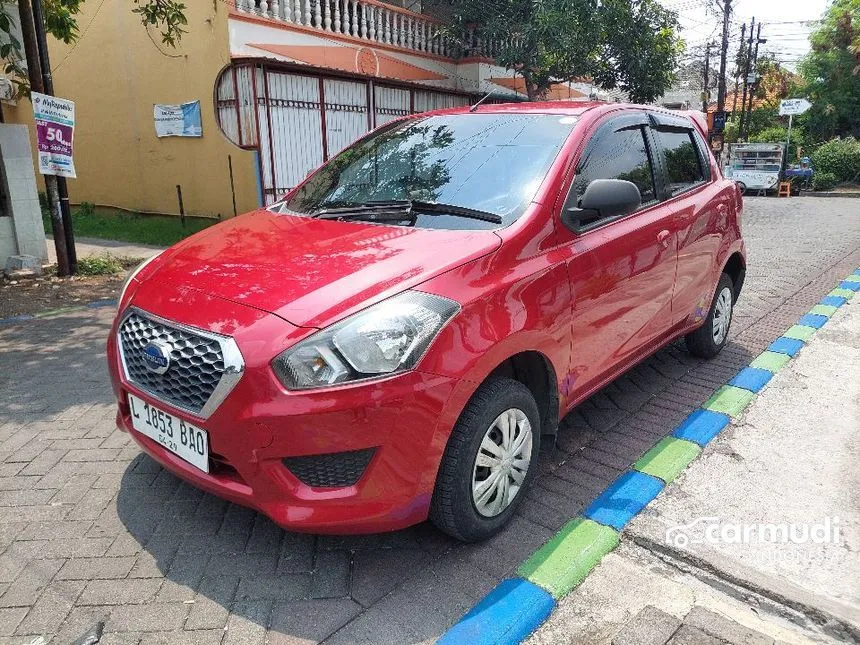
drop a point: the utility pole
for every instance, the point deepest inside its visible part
(758, 39)
(706, 95)
(746, 78)
(721, 82)
(62, 186)
(737, 76)
(31, 49)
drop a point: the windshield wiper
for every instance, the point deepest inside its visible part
(451, 209)
(402, 209)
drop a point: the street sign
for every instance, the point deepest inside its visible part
(719, 121)
(790, 107)
(55, 133)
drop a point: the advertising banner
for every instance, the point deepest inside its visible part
(182, 120)
(55, 134)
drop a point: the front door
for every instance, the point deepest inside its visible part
(622, 271)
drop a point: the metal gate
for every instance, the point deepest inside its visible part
(301, 119)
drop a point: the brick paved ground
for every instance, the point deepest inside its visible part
(92, 530)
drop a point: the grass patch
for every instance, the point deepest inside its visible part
(136, 228)
(101, 264)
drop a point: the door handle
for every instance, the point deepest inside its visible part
(663, 238)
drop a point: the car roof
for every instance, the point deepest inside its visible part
(573, 108)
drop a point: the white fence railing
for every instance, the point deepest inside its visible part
(369, 20)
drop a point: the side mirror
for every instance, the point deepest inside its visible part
(603, 199)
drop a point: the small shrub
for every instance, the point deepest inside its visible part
(87, 209)
(839, 158)
(823, 181)
(104, 264)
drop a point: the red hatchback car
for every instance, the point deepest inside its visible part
(391, 340)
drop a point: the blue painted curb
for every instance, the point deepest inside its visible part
(833, 301)
(506, 615)
(853, 286)
(624, 498)
(812, 320)
(785, 345)
(701, 426)
(753, 378)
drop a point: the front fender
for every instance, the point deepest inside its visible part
(528, 310)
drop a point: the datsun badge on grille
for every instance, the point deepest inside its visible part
(156, 356)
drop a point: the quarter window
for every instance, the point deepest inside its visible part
(681, 160)
(617, 155)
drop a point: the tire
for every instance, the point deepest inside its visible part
(743, 187)
(709, 339)
(454, 508)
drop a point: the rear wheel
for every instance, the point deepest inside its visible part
(711, 337)
(489, 462)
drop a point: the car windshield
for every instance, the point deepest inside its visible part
(492, 163)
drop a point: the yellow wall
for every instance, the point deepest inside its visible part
(115, 74)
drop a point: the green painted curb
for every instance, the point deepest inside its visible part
(771, 361)
(852, 278)
(729, 400)
(823, 310)
(668, 458)
(563, 562)
(61, 310)
(842, 293)
(799, 332)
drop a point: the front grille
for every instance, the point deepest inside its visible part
(196, 362)
(334, 470)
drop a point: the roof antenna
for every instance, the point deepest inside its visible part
(485, 97)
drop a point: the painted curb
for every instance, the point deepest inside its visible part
(506, 615)
(561, 564)
(96, 304)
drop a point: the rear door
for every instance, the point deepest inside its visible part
(621, 271)
(697, 210)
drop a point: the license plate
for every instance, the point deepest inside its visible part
(179, 437)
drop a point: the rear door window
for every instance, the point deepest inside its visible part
(681, 158)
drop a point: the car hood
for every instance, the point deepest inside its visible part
(313, 272)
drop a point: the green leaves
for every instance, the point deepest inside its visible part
(169, 14)
(61, 22)
(631, 44)
(832, 71)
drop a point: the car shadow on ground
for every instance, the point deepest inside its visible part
(308, 586)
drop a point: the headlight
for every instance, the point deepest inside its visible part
(131, 276)
(386, 338)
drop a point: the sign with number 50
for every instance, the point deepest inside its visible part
(55, 134)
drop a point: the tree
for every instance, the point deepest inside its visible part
(61, 22)
(627, 44)
(832, 72)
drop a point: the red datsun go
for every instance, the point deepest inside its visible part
(389, 342)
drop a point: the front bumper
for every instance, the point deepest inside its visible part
(260, 424)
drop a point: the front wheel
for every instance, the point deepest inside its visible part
(489, 462)
(709, 339)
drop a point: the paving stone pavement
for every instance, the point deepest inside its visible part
(90, 529)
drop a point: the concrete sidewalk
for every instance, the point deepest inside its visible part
(87, 246)
(758, 540)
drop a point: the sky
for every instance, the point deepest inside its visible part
(783, 24)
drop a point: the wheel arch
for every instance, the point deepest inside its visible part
(735, 267)
(534, 370)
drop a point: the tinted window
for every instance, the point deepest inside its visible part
(617, 155)
(681, 160)
(487, 162)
